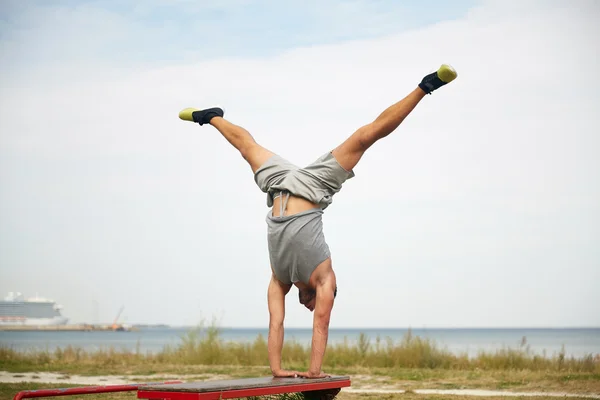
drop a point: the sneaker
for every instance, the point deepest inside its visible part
(439, 78)
(200, 116)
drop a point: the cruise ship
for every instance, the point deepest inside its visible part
(16, 310)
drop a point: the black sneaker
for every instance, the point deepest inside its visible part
(200, 116)
(439, 78)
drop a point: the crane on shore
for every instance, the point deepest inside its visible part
(115, 325)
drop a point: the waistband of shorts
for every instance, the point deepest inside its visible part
(293, 216)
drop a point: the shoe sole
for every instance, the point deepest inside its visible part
(446, 73)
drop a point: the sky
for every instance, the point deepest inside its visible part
(481, 210)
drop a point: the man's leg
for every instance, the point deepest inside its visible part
(240, 138)
(350, 151)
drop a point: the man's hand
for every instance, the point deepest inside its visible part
(282, 373)
(312, 375)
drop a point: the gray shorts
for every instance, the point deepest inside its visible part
(317, 182)
(296, 242)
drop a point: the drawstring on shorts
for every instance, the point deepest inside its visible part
(283, 202)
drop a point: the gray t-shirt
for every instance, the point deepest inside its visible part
(296, 245)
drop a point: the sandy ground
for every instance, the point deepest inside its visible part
(49, 377)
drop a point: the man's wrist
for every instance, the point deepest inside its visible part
(277, 368)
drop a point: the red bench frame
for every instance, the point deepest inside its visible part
(153, 390)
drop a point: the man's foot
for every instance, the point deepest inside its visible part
(200, 116)
(439, 78)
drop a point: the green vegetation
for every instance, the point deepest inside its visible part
(7, 391)
(409, 363)
(204, 346)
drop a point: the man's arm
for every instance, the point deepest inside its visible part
(276, 299)
(322, 315)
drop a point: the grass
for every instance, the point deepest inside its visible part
(7, 391)
(204, 346)
(410, 363)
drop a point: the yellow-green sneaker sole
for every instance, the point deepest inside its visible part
(186, 114)
(446, 73)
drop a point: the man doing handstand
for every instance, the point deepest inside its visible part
(298, 252)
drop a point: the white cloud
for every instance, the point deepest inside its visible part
(490, 187)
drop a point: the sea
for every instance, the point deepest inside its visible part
(575, 342)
